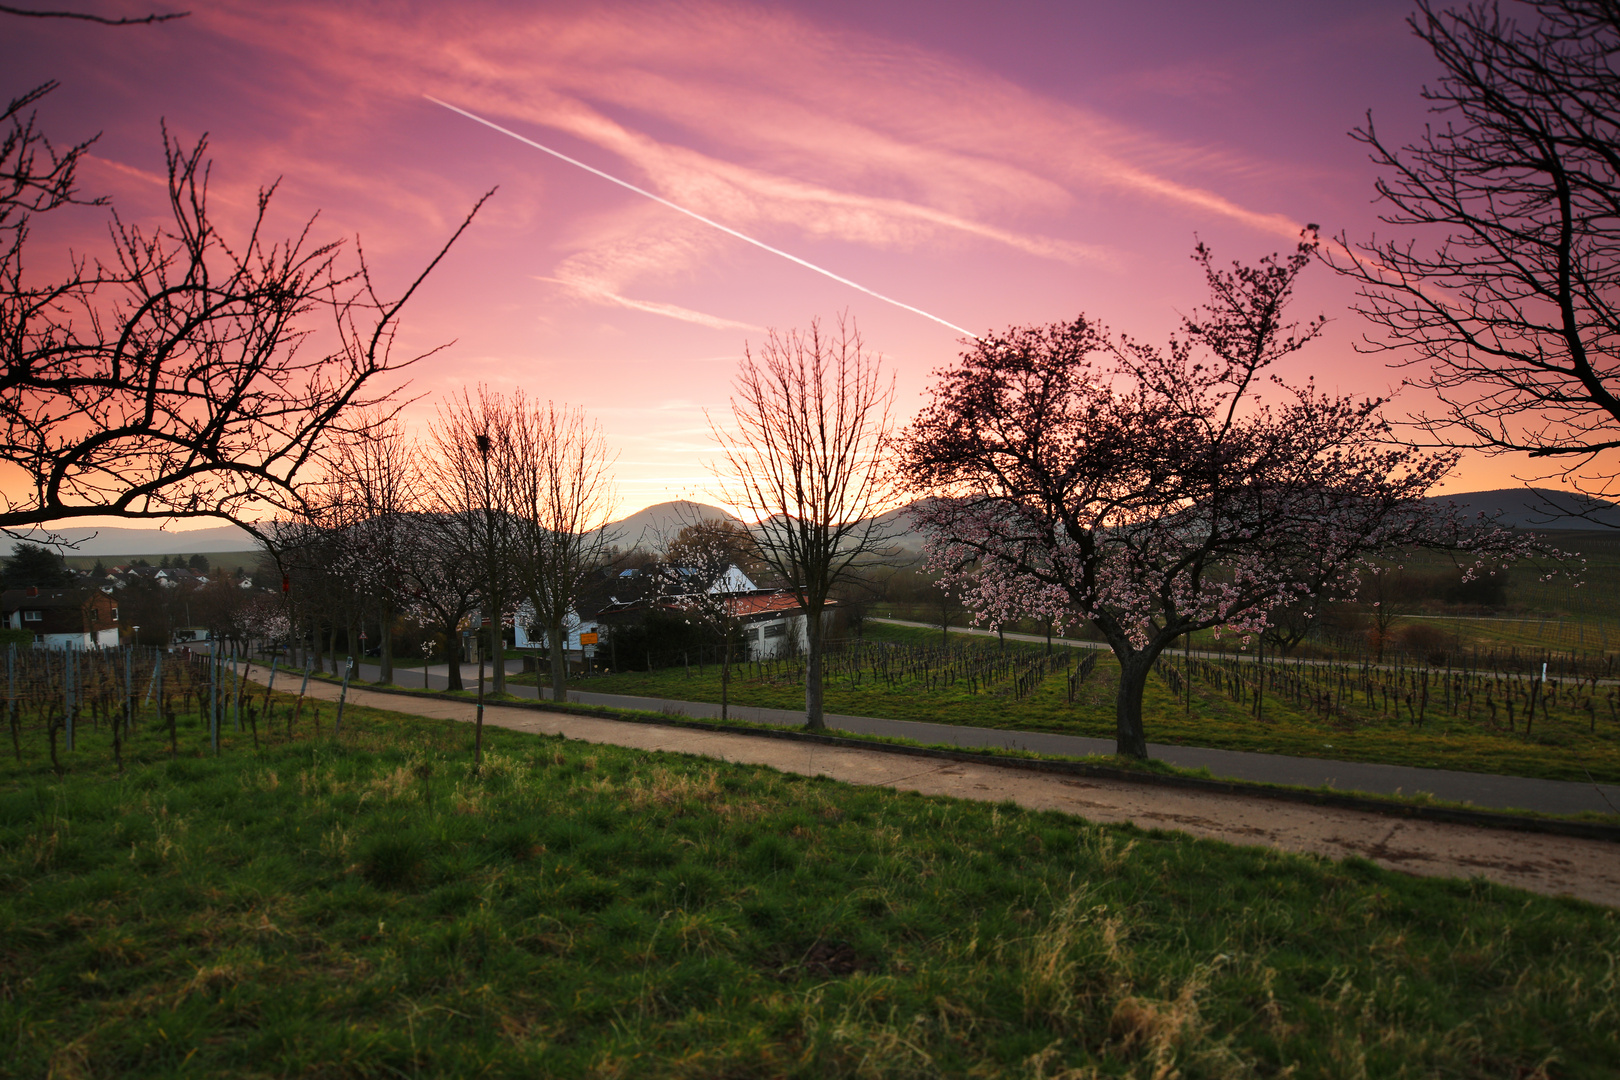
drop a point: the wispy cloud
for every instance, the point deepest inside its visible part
(762, 120)
(596, 292)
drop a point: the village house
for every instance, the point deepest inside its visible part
(62, 618)
(771, 620)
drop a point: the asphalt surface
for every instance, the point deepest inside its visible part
(1478, 789)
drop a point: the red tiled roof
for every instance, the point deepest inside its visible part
(770, 603)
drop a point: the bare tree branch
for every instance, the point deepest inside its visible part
(1505, 303)
(177, 377)
(142, 20)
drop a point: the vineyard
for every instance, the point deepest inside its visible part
(1495, 697)
(960, 665)
(66, 699)
(1470, 716)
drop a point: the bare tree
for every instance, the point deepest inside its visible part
(1508, 301)
(441, 584)
(562, 499)
(473, 492)
(180, 375)
(806, 456)
(376, 480)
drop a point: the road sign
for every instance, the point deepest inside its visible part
(587, 639)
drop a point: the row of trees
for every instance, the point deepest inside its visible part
(504, 504)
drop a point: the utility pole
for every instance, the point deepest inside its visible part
(492, 552)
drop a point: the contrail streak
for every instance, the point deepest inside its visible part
(707, 221)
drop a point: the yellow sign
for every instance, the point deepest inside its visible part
(587, 639)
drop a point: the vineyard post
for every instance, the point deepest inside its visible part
(129, 689)
(213, 701)
(11, 700)
(270, 685)
(478, 725)
(1537, 688)
(343, 696)
(1260, 676)
(67, 694)
(1186, 653)
(113, 723)
(241, 680)
(299, 707)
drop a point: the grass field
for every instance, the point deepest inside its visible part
(372, 907)
(1572, 745)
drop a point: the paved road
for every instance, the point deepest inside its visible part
(1555, 865)
(1479, 789)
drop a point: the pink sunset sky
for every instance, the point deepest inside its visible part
(991, 163)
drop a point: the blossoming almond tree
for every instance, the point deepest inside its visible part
(1076, 475)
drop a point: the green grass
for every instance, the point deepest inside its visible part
(372, 907)
(1561, 750)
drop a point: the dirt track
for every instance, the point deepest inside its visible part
(1589, 869)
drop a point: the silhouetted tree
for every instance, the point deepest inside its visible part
(31, 564)
(175, 376)
(1504, 292)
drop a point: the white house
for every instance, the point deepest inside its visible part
(773, 623)
(573, 627)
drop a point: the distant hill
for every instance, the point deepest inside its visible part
(1525, 508)
(120, 540)
(1536, 509)
(655, 525)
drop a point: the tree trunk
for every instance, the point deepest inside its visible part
(331, 644)
(452, 653)
(725, 679)
(812, 673)
(497, 654)
(559, 662)
(385, 641)
(1130, 739)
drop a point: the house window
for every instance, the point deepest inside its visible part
(115, 615)
(776, 629)
(33, 616)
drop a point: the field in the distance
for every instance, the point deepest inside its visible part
(371, 907)
(1567, 744)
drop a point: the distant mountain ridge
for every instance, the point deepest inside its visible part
(1533, 509)
(121, 540)
(652, 526)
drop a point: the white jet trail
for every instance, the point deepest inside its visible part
(707, 221)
